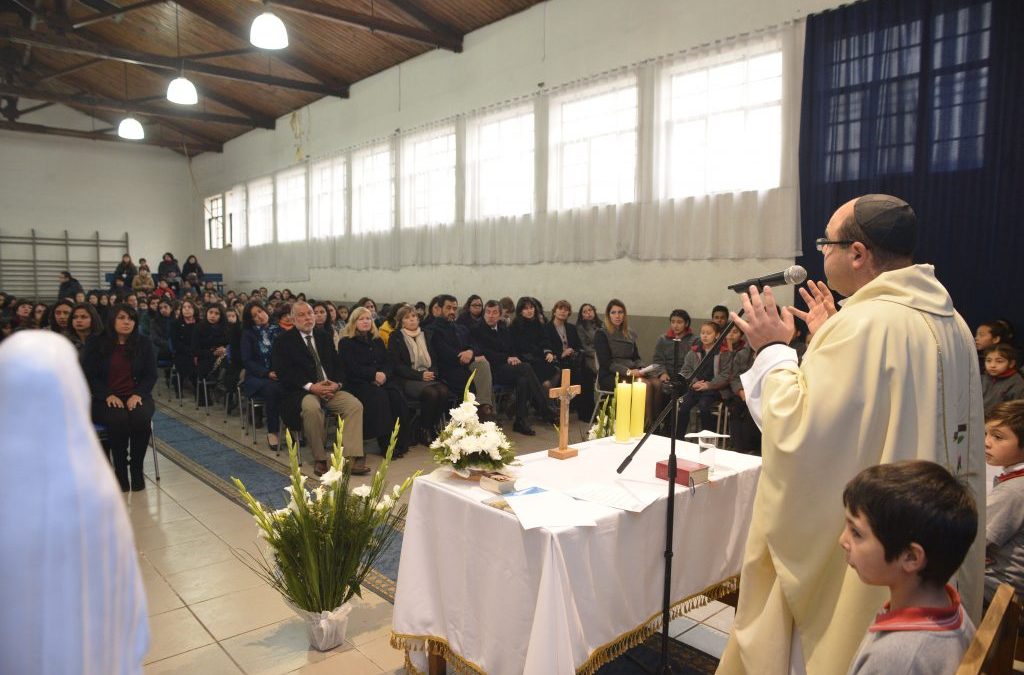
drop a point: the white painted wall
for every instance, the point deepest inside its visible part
(52, 184)
(552, 43)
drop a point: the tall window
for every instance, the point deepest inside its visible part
(500, 164)
(723, 125)
(373, 203)
(960, 57)
(213, 208)
(291, 204)
(261, 211)
(594, 145)
(234, 202)
(873, 106)
(327, 199)
(428, 178)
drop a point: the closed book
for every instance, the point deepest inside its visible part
(687, 472)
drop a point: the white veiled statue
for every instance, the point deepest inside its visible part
(71, 594)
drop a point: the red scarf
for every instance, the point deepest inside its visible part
(1009, 373)
(672, 336)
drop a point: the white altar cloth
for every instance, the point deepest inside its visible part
(541, 601)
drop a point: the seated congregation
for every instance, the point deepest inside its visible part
(308, 360)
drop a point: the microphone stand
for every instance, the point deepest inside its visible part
(680, 393)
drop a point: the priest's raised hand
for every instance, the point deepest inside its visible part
(762, 322)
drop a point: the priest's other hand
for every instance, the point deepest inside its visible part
(762, 322)
(820, 305)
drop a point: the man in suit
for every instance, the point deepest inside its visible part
(309, 370)
(494, 340)
(457, 357)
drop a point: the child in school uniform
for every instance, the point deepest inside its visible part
(908, 527)
(1004, 508)
(707, 394)
(1000, 380)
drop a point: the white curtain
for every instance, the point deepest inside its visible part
(328, 209)
(688, 157)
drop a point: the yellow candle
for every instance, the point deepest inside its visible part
(637, 410)
(623, 393)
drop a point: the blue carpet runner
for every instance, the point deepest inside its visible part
(215, 458)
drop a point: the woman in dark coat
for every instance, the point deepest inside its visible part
(210, 347)
(416, 374)
(84, 324)
(531, 342)
(181, 343)
(564, 342)
(125, 271)
(120, 367)
(161, 327)
(168, 264)
(191, 267)
(369, 376)
(258, 335)
(472, 313)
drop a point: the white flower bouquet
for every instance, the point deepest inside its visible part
(326, 540)
(467, 444)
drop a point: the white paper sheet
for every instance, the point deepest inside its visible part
(550, 509)
(615, 495)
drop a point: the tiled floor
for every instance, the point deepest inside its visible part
(209, 613)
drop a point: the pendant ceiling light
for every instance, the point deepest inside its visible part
(268, 32)
(181, 90)
(130, 128)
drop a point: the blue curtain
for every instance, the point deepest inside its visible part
(923, 99)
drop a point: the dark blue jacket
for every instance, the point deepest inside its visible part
(96, 366)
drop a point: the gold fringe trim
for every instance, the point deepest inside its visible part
(609, 652)
(601, 656)
(433, 645)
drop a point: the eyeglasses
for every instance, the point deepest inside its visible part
(822, 242)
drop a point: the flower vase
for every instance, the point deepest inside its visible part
(326, 630)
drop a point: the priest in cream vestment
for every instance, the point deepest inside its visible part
(892, 376)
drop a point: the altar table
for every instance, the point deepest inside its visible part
(490, 597)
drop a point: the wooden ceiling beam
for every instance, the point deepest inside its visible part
(97, 103)
(240, 29)
(91, 136)
(34, 108)
(67, 71)
(225, 100)
(202, 138)
(372, 23)
(112, 13)
(219, 55)
(417, 11)
(114, 53)
(29, 7)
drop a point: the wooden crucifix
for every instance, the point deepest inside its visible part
(564, 394)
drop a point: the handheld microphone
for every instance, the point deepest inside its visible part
(790, 276)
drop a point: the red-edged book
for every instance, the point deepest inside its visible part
(687, 473)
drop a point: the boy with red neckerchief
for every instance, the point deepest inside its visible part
(1004, 531)
(908, 527)
(1000, 379)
